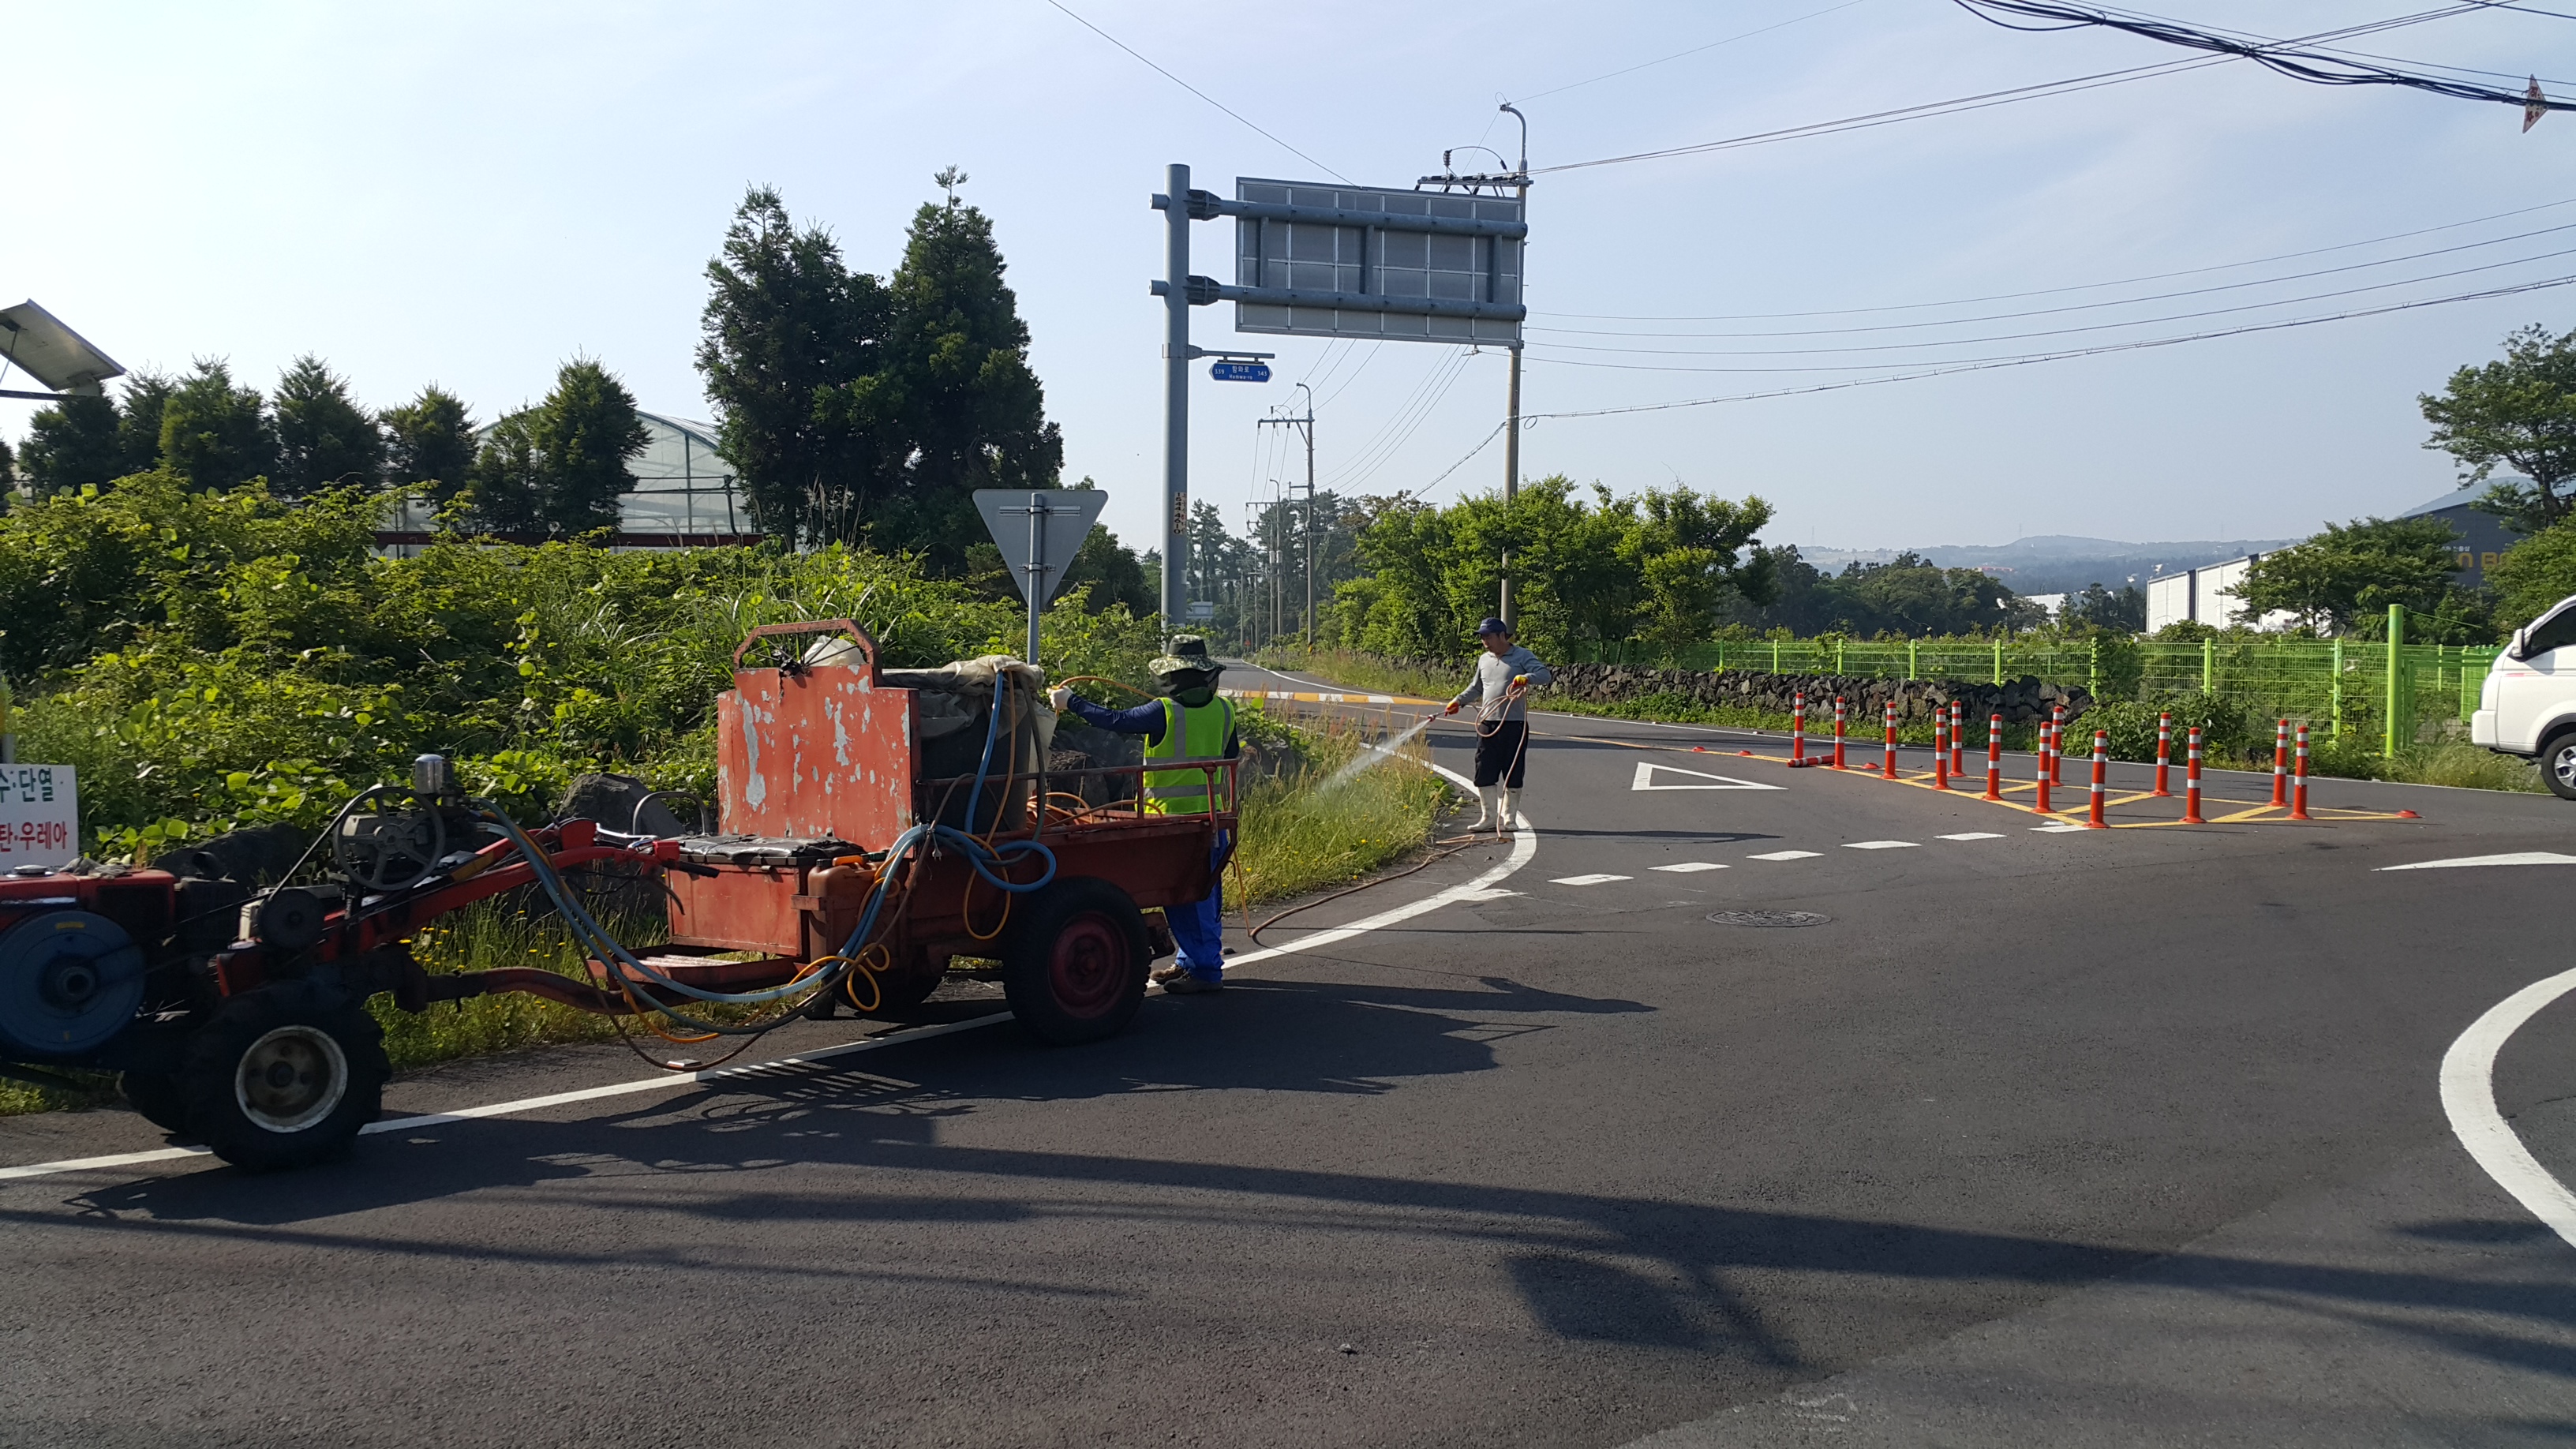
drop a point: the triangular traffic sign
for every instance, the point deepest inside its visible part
(1039, 530)
(1646, 771)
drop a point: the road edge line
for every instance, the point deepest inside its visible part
(2468, 1100)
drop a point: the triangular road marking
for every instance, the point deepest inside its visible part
(1645, 780)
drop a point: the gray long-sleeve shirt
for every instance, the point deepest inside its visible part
(1494, 674)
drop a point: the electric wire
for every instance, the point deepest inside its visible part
(2072, 306)
(1202, 95)
(1375, 442)
(1682, 54)
(1543, 347)
(2298, 59)
(1948, 369)
(2076, 287)
(1986, 99)
(1395, 445)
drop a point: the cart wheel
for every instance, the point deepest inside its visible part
(157, 1097)
(284, 1076)
(1075, 966)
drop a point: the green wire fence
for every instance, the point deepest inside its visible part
(2387, 693)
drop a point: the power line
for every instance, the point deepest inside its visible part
(2057, 331)
(2058, 291)
(2295, 59)
(1202, 95)
(1419, 418)
(1986, 99)
(2031, 359)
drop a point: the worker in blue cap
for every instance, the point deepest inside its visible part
(1504, 674)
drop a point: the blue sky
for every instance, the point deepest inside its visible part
(473, 193)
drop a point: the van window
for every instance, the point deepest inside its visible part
(2555, 632)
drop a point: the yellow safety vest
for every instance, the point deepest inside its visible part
(1188, 734)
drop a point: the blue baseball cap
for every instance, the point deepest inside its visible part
(1492, 626)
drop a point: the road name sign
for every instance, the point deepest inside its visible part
(1240, 371)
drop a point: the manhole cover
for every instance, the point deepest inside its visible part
(1768, 918)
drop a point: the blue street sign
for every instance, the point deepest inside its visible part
(1240, 371)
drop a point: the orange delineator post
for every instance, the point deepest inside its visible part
(1940, 751)
(2164, 752)
(2043, 767)
(2191, 782)
(1889, 769)
(2057, 744)
(1797, 728)
(2299, 791)
(2101, 774)
(2281, 763)
(1838, 732)
(1958, 722)
(1994, 757)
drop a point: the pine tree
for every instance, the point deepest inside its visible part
(324, 440)
(216, 435)
(429, 441)
(72, 445)
(560, 466)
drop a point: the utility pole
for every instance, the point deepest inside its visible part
(1305, 425)
(1512, 439)
(1178, 205)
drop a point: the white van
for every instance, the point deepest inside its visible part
(2528, 706)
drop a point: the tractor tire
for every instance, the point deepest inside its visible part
(284, 1076)
(1074, 966)
(157, 1097)
(899, 995)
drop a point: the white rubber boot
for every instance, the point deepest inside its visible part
(1511, 813)
(1488, 806)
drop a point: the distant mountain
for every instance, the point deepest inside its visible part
(2056, 562)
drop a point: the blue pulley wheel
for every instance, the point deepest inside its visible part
(69, 980)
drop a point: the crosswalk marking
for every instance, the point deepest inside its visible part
(1588, 879)
(1879, 845)
(1788, 855)
(1974, 835)
(1685, 867)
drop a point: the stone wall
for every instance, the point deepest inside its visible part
(2020, 701)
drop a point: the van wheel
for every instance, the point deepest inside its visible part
(2558, 764)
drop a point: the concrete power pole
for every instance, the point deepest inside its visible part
(1512, 438)
(1305, 425)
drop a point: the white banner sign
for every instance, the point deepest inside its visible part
(39, 815)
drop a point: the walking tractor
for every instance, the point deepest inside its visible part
(871, 824)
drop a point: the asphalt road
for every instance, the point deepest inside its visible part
(2051, 1137)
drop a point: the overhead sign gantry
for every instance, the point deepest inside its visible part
(1321, 259)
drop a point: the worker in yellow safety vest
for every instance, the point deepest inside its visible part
(1186, 722)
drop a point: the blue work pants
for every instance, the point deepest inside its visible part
(1199, 927)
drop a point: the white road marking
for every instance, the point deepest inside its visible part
(1880, 845)
(1580, 880)
(1524, 850)
(1687, 867)
(1788, 855)
(2468, 1099)
(1972, 835)
(1645, 779)
(1494, 893)
(2058, 829)
(2519, 857)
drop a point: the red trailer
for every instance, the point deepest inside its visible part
(842, 869)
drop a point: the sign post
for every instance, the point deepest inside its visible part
(1039, 530)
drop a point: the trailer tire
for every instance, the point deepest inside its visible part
(1074, 968)
(156, 1097)
(284, 1076)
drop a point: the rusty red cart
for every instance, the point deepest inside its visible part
(845, 868)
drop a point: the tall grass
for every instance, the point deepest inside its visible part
(1301, 833)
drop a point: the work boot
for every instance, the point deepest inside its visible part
(1178, 980)
(1488, 803)
(1510, 814)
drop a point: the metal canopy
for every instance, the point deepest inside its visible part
(1325, 260)
(37, 343)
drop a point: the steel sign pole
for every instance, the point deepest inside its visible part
(1036, 567)
(1176, 394)
(1512, 438)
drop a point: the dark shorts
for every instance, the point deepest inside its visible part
(1500, 749)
